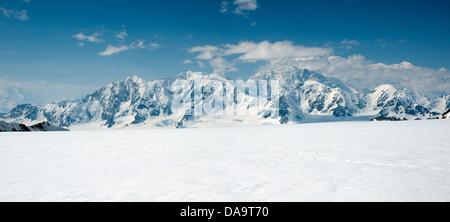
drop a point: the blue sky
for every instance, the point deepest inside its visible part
(69, 48)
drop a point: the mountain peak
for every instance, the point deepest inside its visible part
(406, 65)
(189, 75)
(385, 87)
(134, 78)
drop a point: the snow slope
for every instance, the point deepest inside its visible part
(341, 161)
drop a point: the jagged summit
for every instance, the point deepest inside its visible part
(134, 78)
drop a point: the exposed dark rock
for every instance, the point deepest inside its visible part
(15, 127)
(284, 110)
(445, 114)
(387, 118)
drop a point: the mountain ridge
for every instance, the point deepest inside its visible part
(304, 95)
(16, 127)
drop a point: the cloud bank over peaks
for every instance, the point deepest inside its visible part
(14, 93)
(360, 72)
(355, 70)
(250, 52)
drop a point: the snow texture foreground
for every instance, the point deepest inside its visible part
(345, 161)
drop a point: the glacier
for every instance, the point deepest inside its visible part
(338, 161)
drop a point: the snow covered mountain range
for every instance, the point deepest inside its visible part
(305, 96)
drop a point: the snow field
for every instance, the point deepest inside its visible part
(341, 161)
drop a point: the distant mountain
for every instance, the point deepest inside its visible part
(388, 101)
(16, 127)
(306, 93)
(13, 96)
(304, 96)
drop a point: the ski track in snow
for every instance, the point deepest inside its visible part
(342, 161)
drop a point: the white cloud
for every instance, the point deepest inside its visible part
(81, 44)
(206, 52)
(240, 6)
(248, 52)
(348, 44)
(122, 35)
(201, 65)
(14, 14)
(154, 45)
(222, 66)
(111, 50)
(138, 44)
(245, 5)
(224, 7)
(266, 51)
(41, 92)
(187, 61)
(90, 38)
(22, 84)
(26, 0)
(278, 50)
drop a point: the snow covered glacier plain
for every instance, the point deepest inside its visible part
(340, 161)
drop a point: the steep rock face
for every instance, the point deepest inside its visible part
(311, 93)
(446, 114)
(132, 97)
(385, 100)
(319, 99)
(26, 111)
(46, 126)
(25, 114)
(447, 102)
